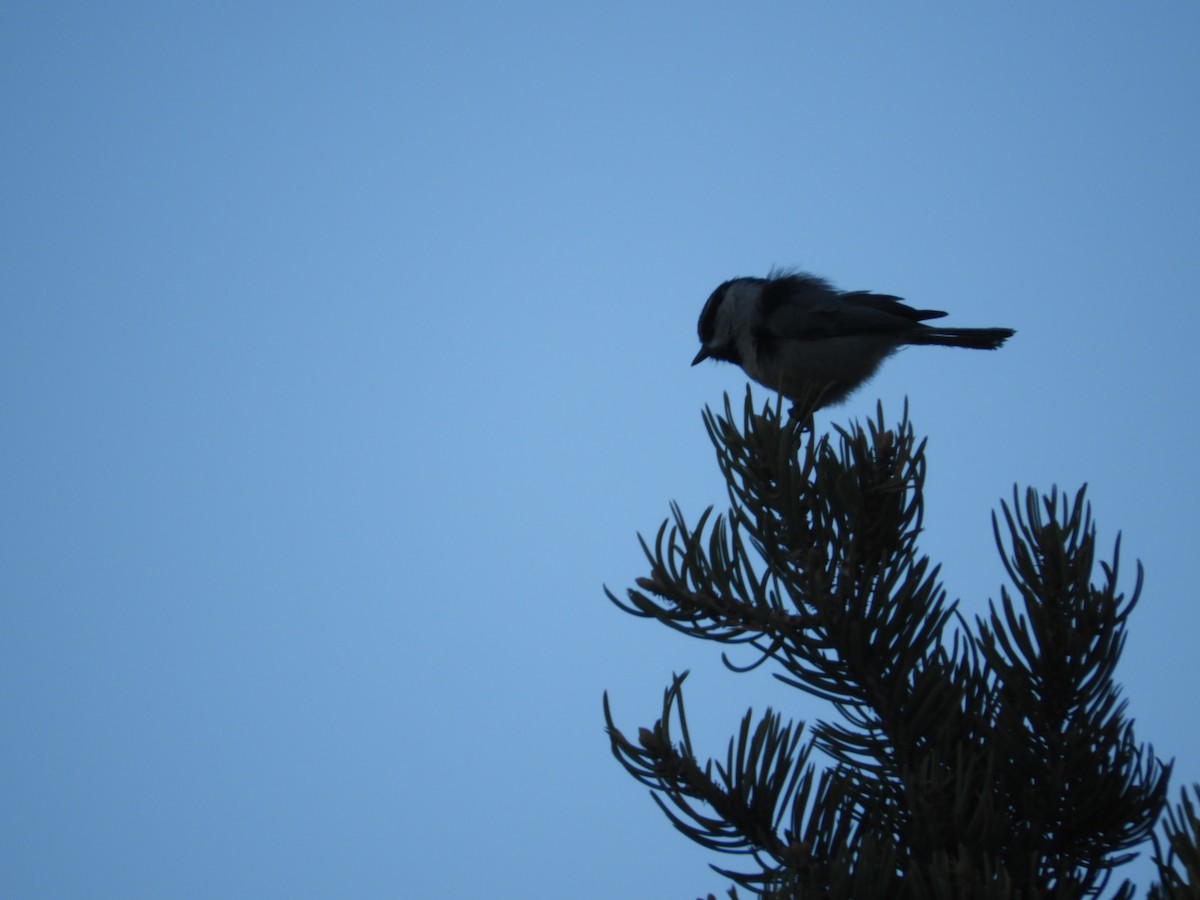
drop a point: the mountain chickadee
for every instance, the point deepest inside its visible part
(795, 333)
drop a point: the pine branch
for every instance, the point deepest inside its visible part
(1088, 794)
(1179, 865)
(995, 764)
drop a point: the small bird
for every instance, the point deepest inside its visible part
(795, 333)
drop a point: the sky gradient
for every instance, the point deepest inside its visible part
(344, 352)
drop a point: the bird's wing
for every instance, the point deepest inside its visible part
(889, 304)
(806, 312)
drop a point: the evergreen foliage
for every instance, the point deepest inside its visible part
(991, 759)
(1179, 866)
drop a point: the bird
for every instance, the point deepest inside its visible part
(795, 333)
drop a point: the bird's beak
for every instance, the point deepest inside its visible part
(701, 356)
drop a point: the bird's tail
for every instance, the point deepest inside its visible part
(975, 338)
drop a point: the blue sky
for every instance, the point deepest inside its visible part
(345, 350)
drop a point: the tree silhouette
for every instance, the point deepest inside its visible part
(991, 759)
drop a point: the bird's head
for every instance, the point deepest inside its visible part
(724, 318)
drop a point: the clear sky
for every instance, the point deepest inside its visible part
(344, 351)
